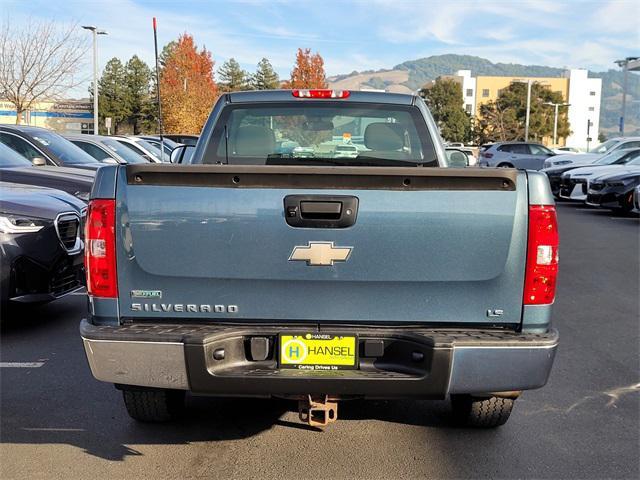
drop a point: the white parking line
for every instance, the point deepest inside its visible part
(21, 364)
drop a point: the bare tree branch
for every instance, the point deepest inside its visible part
(39, 61)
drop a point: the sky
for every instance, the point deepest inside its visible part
(359, 34)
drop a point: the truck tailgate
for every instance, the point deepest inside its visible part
(439, 246)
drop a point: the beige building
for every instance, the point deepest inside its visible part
(67, 116)
(581, 92)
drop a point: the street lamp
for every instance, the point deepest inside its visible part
(624, 64)
(95, 33)
(529, 83)
(555, 119)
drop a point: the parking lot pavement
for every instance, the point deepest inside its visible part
(57, 422)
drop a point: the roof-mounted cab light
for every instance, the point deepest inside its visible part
(320, 93)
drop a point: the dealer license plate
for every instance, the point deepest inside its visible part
(318, 351)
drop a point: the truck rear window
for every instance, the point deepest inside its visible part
(321, 133)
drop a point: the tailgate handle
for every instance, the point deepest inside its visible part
(320, 211)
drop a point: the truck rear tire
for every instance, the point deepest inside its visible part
(153, 405)
(481, 411)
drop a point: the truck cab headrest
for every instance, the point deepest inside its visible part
(254, 141)
(384, 136)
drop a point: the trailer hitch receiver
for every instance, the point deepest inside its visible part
(318, 411)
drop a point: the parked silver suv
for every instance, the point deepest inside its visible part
(524, 155)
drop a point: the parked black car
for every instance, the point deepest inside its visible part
(614, 191)
(554, 174)
(41, 244)
(17, 169)
(106, 149)
(45, 147)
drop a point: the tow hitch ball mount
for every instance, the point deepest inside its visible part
(318, 410)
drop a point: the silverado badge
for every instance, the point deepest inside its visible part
(320, 254)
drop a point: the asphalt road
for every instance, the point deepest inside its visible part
(58, 422)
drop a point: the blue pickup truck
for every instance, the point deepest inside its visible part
(256, 271)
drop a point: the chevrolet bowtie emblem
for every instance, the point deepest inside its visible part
(320, 254)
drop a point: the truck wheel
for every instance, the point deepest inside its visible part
(153, 405)
(505, 165)
(481, 412)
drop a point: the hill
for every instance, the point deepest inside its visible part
(409, 76)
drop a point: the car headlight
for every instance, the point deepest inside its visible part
(562, 162)
(623, 183)
(21, 224)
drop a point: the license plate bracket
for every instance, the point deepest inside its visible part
(317, 351)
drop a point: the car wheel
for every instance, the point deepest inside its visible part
(505, 165)
(481, 411)
(153, 405)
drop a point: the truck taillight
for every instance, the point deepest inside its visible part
(100, 249)
(542, 256)
(320, 93)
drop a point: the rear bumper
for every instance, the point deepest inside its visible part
(417, 362)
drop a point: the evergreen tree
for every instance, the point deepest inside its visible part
(265, 77)
(444, 99)
(113, 95)
(166, 52)
(232, 77)
(138, 79)
(504, 118)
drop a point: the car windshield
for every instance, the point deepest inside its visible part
(127, 154)
(611, 158)
(62, 148)
(616, 157)
(317, 133)
(10, 158)
(604, 147)
(155, 151)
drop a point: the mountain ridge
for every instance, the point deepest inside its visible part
(410, 75)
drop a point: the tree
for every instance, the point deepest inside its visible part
(232, 77)
(137, 79)
(112, 88)
(166, 52)
(39, 61)
(308, 71)
(444, 98)
(504, 119)
(187, 87)
(265, 77)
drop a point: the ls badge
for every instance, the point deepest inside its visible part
(320, 254)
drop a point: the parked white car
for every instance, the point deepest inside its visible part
(565, 150)
(595, 153)
(141, 147)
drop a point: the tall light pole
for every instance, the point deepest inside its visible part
(95, 33)
(526, 122)
(529, 83)
(555, 119)
(625, 65)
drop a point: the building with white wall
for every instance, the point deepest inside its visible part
(582, 93)
(584, 110)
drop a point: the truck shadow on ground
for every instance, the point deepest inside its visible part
(115, 437)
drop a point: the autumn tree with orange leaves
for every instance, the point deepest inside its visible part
(308, 71)
(187, 87)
